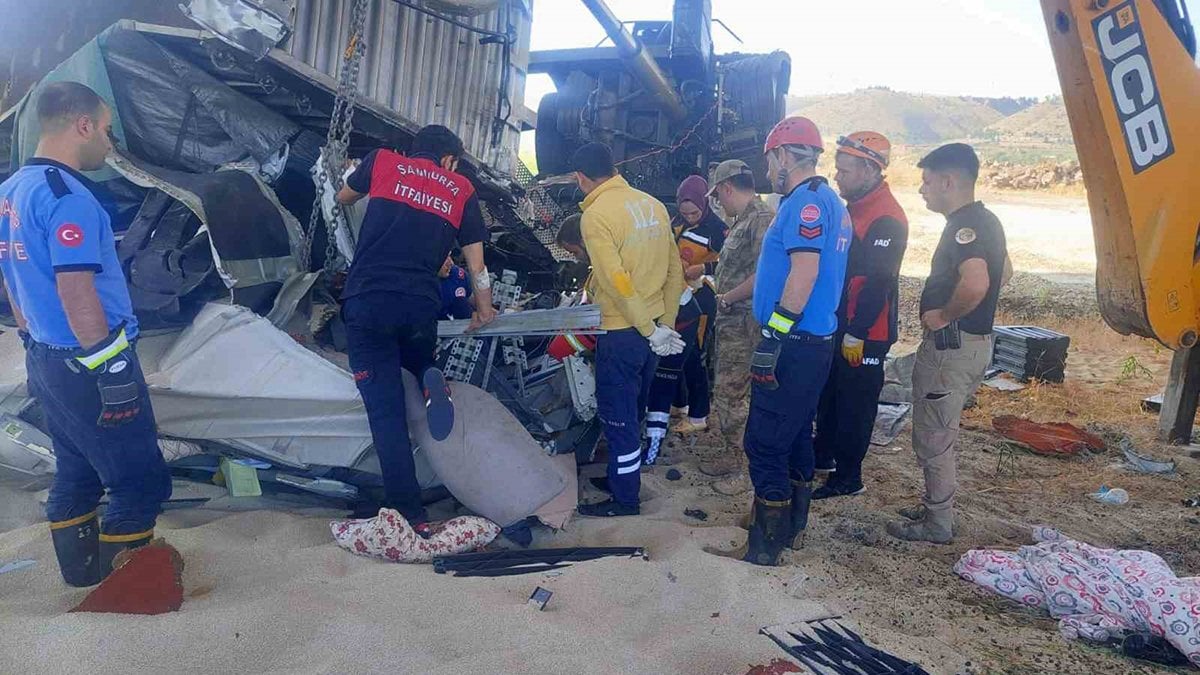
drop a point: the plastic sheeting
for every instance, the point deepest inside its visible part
(233, 378)
(254, 26)
(178, 116)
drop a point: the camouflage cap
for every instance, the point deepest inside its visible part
(726, 170)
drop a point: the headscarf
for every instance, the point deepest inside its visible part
(694, 189)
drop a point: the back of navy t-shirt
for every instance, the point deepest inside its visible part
(418, 212)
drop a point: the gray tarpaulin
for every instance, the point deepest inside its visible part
(232, 376)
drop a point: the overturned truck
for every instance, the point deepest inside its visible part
(235, 279)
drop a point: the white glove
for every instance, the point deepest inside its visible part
(665, 342)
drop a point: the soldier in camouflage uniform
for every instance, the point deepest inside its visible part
(737, 331)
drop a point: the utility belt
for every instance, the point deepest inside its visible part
(952, 337)
(808, 338)
(67, 354)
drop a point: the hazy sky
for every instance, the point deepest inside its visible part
(970, 47)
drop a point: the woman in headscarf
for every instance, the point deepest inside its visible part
(700, 233)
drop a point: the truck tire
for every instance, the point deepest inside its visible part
(553, 152)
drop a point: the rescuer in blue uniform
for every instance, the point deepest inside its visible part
(456, 291)
(797, 290)
(68, 293)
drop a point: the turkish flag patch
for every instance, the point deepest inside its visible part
(69, 235)
(810, 232)
(811, 213)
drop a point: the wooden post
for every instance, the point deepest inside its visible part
(1178, 413)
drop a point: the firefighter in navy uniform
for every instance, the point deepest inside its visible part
(420, 209)
(68, 293)
(867, 315)
(797, 289)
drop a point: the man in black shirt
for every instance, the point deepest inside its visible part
(420, 209)
(957, 309)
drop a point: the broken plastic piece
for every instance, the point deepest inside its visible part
(1058, 438)
(240, 479)
(540, 598)
(1142, 463)
(146, 580)
(1109, 495)
(17, 566)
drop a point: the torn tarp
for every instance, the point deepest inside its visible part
(255, 242)
(253, 26)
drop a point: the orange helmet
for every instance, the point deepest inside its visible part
(794, 130)
(871, 146)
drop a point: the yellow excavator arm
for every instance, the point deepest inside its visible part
(1132, 93)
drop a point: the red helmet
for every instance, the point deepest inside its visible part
(794, 130)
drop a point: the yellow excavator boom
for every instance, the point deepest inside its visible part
(1132, 93)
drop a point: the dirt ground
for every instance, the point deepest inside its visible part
(889, 587)
(892, 587)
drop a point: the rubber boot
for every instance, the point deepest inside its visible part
(77, 547)
(770, 532)
(801, 499)
(112, 544)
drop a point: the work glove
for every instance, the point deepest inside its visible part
(665, 342)
(766, 355)
(111, 361)
(852, 350)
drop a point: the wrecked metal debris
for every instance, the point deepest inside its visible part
(824, 648)
(534, 560)
(583, 319)
(1031, 353)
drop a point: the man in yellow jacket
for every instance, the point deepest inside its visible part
(636, 280)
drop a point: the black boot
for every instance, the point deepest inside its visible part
(77, 547)
(112, 544)
(802, 493)
(770, 531)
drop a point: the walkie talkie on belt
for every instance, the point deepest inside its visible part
(949, 337)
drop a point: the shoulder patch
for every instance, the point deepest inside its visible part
(69, 235)
(57, 184)
(965, 236)
(811, 213)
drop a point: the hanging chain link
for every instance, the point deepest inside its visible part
(337, 142)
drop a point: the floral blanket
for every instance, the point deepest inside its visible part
(390, 537)
(1096, 594)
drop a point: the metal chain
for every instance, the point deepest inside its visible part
(337, 142)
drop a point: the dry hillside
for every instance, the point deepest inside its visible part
(1045, 122)
(911, 119)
